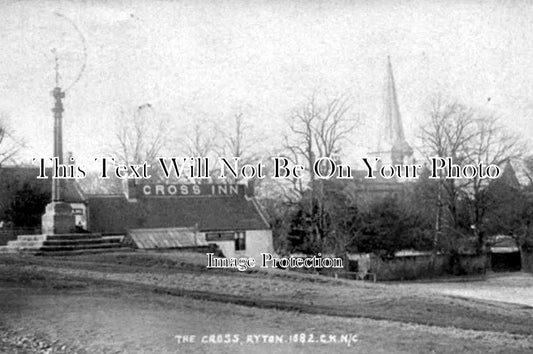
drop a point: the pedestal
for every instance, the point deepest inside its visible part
(58, 219)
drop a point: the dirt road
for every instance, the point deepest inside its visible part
(516, 288)
(101, 306)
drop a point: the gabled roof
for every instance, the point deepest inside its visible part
(165, 238)
(114, 214)
(501, 241)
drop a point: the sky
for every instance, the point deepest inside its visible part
(208, 60)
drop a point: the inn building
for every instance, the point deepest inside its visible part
(165, 216)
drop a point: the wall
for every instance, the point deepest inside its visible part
(11, 233)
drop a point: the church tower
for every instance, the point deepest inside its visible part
(392, 146)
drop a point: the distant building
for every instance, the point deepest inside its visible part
(392, 148)
(504, 251)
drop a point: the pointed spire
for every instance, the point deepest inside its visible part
(393, 120)
(392, 137)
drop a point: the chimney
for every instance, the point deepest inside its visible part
(128, 188)
(250, 190)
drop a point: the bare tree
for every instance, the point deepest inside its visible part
(467, 137)
(492, 145)
(10, 145)
(140, 134)
(448, 133)
(237, 142)
(317, 130)
(202, 142)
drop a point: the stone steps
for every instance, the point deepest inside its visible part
(52, 244)
(26, 243)
(30, 238)
(7, 249)
(63, 244)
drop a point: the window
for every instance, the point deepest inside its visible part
(240, 241)
(77, 211)
(220, 236)
(238, 237)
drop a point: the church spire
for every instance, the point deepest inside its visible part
(392, 138)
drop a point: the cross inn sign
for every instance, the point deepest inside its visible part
(189, 190)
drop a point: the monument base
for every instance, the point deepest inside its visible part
(63, 244)
(58, 219)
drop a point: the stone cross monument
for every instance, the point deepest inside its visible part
(58, 217)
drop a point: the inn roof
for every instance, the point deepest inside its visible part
(115, 214)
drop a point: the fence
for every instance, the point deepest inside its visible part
(425, 266)
(419, 267)
(354, 275)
